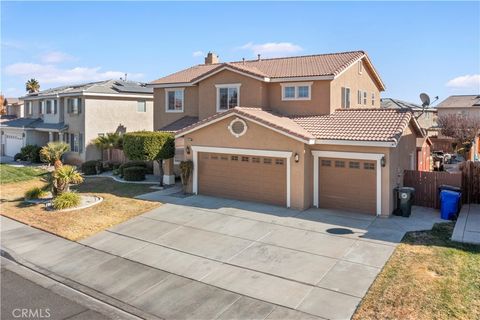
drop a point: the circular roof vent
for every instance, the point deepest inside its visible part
(237, 127)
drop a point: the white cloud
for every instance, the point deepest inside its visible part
(56, 57)
(47, 73)
(198, 53)
(272, 49)
(471, 81)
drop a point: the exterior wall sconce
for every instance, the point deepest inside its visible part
(296, 157)
(187, 150)
(383, 162)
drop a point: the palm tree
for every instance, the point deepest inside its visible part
(109, 141)
(52, 153)
(32, 86)
(63, 177)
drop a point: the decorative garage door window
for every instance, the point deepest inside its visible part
(8, 136)
(237, 127)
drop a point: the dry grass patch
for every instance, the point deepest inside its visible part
(427, 277)
(117, 206)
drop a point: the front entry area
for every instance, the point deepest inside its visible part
(243, 177)
(347, 184)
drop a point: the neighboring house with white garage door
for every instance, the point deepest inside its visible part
(297, 131)
(78, 114)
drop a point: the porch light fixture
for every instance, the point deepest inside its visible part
(296, 157)
(187, 150)
(383, 162)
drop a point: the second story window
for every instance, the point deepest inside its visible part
(141, 106)
(29, 107)
(373, 98)
(41, 107)
(51, 106)
(228, 96)
(174, 99)
(345, 97)
(74, 105)
(365, 97)
(296, 91)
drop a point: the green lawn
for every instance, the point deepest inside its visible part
(428, 277)
(10, 174)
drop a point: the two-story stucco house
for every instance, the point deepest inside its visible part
(78, 114)
(466, 106)
(296, 131)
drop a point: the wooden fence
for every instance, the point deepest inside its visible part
(426, 185)
(471, 181)
(114, 155)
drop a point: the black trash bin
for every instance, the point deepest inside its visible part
(404, 201)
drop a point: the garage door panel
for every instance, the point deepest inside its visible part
(251, 180)
(13, 144)
(347, 184)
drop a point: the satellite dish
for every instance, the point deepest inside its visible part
(425, 99)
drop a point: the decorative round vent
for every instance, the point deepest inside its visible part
(237, 127)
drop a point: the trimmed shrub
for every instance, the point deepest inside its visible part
(115, 172)
(66, 200)
(134, 173)
(35, 193)
(29, 153)
(149, 145)
(131, 164)
(116, 165)
(90, 167)
(17, 157)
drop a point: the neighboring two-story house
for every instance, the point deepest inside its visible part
(77, 115)
(297, 131)
(464, 105)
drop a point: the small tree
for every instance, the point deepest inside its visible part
(186, 169)
(149, 146)
(108, 142)
(32, 86)
(62, 178)
(52, 153)
(462, 129)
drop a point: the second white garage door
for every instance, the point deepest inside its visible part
(13, 143)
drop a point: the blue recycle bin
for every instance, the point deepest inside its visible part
(449, 204)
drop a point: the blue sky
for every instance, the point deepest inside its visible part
(416, 46)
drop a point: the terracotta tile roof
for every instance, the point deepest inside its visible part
(302, 66)
(461, 101)
(268, 118)
(179, 124)
(381, 125)
(373, 125)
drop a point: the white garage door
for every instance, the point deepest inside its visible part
(13, 144)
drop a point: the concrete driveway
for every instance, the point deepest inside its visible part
(314, 263)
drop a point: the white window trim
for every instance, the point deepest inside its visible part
(251, 152)
(296, 85)
(360, 66)
(348, 155)
(349, 98)
(167, 90)
(145, 106)
(227, 85)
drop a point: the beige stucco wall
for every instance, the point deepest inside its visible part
(76, 125)
(318, 104)
(163, 118)
(259, 137)
(252, 92)
(352, 79)
(108, 114)
(256, 137)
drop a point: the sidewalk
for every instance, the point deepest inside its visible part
(133, 287)
(467, 228)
